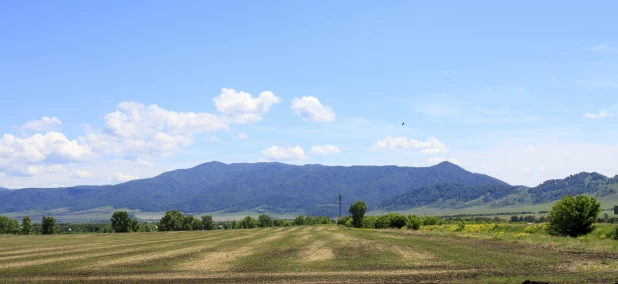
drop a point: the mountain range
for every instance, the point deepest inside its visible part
(309, 189)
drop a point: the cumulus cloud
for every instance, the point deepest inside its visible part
(430, 146)
(325, 150)
(242, 136)
(278, 153)
(44, 124)
(531, 149)
(40, 153)
(118, 177)
(526, 170)
(83, 174)
(136, 130)
(600, 114)
(310, 109)
(437, 160)
(241, 107)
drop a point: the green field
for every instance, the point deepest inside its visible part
(303, 254)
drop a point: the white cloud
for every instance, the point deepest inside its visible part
(431, 146)
(135, 130)
(118, 177)
(446, 72)
(34, 170)
(531, 149)
(40, 153)
(310, 109)
(600, 114)
(527, 170)
(541, 168)
(278, 153)
(83, 174)
(242, 136)
(437, 160)
(490, 169)
(45, 124)
(241, 107)
(325, 150)
(213, 138)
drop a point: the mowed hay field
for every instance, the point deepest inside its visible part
(294, 254)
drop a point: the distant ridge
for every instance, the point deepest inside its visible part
(268, 187)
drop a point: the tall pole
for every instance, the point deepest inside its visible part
(339, 204)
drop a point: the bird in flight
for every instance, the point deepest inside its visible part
(403, 123)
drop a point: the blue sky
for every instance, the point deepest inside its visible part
(102, 92)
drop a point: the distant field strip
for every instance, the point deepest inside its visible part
(294, 254)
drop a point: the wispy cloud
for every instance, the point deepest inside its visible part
(600, 114)
(242, 136)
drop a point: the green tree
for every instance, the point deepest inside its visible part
(573, 216)
(299, 221)
(207, 223)
(235, 225)
(248, 222)
(8, 225)
(265, 221)
(190, 223)
(49, 226)
(121, 223)
(171, 221)
(26, 225)
(358, 210)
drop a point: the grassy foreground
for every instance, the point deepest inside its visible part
(297, 254)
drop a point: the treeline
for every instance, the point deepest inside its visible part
(174, 220)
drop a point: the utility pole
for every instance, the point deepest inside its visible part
(339, 204)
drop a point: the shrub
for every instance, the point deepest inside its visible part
(398, 221)
(432, 220)
(615, 233)
(414, 222)
(343, 220)
(573, 216)
(461, 226)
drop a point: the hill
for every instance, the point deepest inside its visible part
(453, 196)
(272, 187)
(447, 195)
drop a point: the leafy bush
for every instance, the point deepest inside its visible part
(573, 216)
(414, 222)
(461, 226)
(431, 220)
(343, 220)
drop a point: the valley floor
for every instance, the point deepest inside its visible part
(298, 255)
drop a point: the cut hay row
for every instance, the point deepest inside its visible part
(296, 254)
(79, 248)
